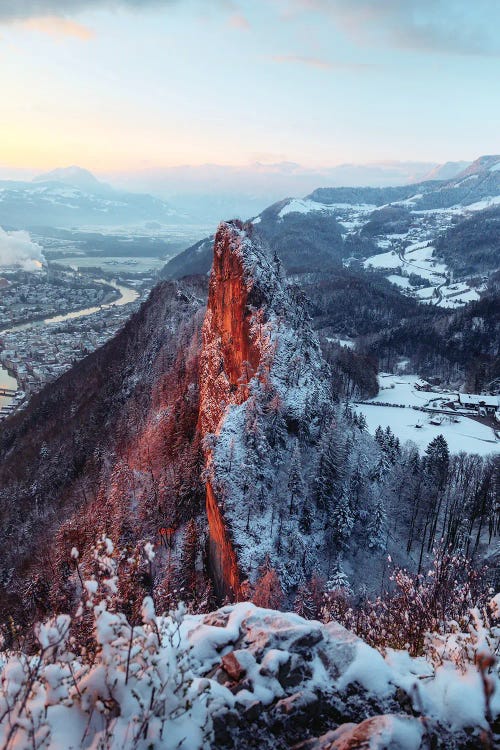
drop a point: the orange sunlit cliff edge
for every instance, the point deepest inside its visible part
(230, 357)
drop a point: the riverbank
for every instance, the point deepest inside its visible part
(6, 381)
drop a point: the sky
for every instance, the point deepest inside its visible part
(130, 85)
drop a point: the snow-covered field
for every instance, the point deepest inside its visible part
(400, 389)
(349, 343)
(413, 253)
(419, 259)
(401, 281)
(466, 434)
(390, 259)
(349, 216)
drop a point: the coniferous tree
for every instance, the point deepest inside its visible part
(437, 460)
(304, 602)
(338, 580)
(341, 521)
(295, 478)
(376, 527)
(306, 518)
(330, 472)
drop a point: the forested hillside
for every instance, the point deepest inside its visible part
(119, 444)
(472, 246)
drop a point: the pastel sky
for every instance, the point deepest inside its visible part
(135, 84)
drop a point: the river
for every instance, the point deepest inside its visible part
(127, 295)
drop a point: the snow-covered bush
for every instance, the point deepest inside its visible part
(131, 686)
(442, 601)
(238, 677)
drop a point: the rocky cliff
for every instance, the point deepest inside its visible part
(263, 396)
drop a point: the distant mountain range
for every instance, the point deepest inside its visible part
(334, 223)
(212, 191)
(73, 197)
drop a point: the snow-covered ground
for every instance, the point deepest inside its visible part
(418, 258)
(179, 682)
(414, 253)
(461, 431)
(401, 281)
(384, 261)
(349, 216)
(349, 343)
(301, 206)
(400, 389)
(485, 203)
(468, 435)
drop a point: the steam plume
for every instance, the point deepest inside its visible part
(18, 249)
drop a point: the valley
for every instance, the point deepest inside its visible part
(250, 375)
(35, 352)
(385, 290)
(211, 440)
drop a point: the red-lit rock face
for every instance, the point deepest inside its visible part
(229, 360)
(223, 561)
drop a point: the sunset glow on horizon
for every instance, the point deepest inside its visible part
(127, 86)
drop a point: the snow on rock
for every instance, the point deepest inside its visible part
(239, 677)
(291, 668)
(377, 733)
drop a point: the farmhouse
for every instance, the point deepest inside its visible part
(477, 402)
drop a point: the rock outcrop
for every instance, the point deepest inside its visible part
(300, 684)
(263, 392)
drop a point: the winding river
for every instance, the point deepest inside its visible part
(127, 295)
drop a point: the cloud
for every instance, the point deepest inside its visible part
(464, 27)
(19, 10)
(239, 21)
(55, 26)
(321, 64)
(18, 249)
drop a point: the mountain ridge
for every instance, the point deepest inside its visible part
(317, 215)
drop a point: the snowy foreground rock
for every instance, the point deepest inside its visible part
(241, 677)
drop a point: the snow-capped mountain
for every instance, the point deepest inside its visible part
(76, 177)
(73, 197)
